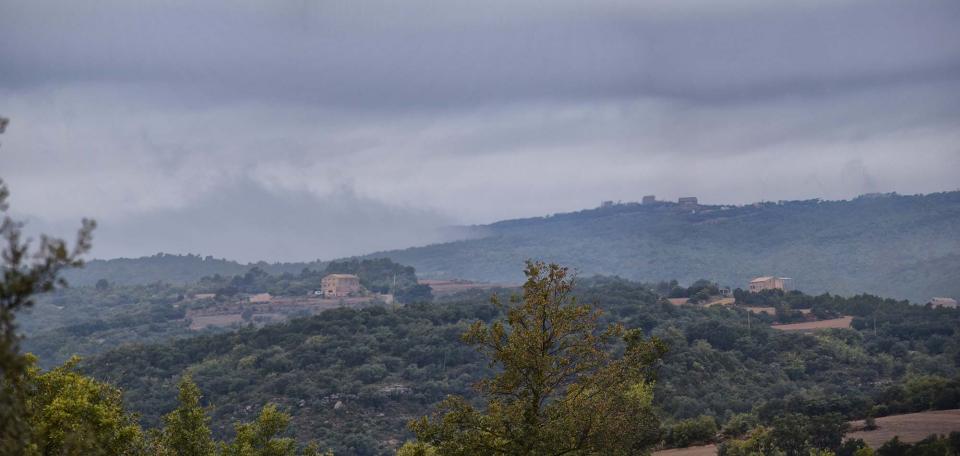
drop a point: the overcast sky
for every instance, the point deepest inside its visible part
(296, 130)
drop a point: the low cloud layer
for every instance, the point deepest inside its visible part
(262, 132)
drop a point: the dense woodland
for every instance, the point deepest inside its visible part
(173, 269)
(386, 366)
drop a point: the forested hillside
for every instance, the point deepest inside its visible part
(89, 320)
(353, 378)
(906, 247)
(173, 269)
(892, 245)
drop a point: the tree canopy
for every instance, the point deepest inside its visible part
(558, 387)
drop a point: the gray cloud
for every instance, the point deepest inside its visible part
(442, 54)
(246, 222)
(152, 116)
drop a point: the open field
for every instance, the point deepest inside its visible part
(721, 302)
(702, 450)
(842, 322)
(910, 427)
(762, 310)
(202, 321)
(274, 310)
(449, 287)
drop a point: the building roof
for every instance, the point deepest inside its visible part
(761, 279)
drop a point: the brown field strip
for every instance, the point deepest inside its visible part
(911, 427)
(842, 322)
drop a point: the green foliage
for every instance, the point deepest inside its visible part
(61, 411)
(173, 269)
(933, 445)
(893, 447)
(739, 424)
(399, 362)
(186, 430)
(760, 441)
(262, 437)
(851, 447)
(790, 434)
(72, 414)
(417, 449)
(557, 389)
(25, 273)
(797, 434)
(693, 431)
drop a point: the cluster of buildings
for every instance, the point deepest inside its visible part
(331, 286)
(652, 199)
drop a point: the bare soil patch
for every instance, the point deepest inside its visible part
(703, 450)
(911, 427)
(842, 322)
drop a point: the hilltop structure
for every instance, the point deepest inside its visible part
(767, 283)
(688, 201)
(949, 303)
(340, 285)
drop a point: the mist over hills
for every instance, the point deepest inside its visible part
(901, 246)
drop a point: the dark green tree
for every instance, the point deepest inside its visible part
(790, 434)
(186, 430)
(262, 437)
(25, 273)
(559, 389)
(827, 431)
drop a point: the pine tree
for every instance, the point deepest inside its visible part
(186, 430)
(559, 389)
(262, 437)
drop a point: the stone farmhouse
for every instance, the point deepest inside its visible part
(767, 283)
(340, 285)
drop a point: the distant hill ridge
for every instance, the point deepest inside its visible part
(888, 244)
(171, 268)
(895, 245)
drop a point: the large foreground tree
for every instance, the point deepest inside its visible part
(559, 388)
